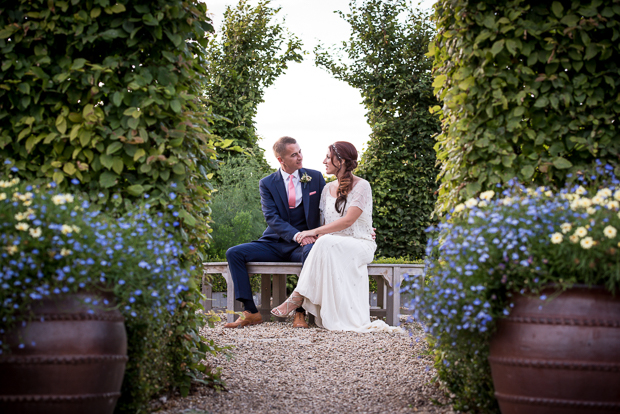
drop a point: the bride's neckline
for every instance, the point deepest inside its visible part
(331, 185)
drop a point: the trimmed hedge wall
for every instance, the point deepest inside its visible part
(387, 62)
(530, 90)
(109, 93)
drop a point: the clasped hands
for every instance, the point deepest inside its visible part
(310, 236)
(307, 237)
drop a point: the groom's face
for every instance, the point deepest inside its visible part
(292, 159)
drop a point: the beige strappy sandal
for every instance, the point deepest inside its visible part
(293, 302)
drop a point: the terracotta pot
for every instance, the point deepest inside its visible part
(559, 356)
(76, 364)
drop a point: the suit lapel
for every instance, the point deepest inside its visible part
(279, 184)
(305, 194)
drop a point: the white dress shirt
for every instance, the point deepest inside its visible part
(297, 184)
(298, 194)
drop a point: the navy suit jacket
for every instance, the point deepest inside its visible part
(275, 204)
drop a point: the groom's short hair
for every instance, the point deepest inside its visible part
(280, 146)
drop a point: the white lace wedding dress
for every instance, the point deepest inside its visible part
(334, 279)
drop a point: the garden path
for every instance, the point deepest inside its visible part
(278, 369)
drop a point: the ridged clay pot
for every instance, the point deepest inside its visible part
(559, 356)
(75, 365)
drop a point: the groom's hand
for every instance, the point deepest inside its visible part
(308, 240)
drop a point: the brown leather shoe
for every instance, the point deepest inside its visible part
(246, 319)
(300, 320)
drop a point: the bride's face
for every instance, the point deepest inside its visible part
(330, 168)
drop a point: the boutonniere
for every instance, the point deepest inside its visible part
(305, 179)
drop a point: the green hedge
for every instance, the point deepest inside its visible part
(530, 90)
(249, 53)
(386, 61)
(109, 93)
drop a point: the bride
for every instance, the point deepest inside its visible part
(333, 284)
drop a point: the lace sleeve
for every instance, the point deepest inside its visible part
(322, 203)
(361, 196)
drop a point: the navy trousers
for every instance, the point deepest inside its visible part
(260, 251)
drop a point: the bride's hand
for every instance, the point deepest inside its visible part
(307, 233)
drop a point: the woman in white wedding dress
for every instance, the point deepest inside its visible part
(333, 284)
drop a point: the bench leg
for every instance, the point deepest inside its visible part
(279, 292)
(265, 296)
(207, 291)
(380, 292)
(393, 302)
(231, 304)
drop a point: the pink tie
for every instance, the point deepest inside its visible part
(291, 192)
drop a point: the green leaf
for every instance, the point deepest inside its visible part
(527, 171)
(118, 165)
(69, 168)
(139, 154)
(497, 47)
(107, 161)
(24, 133)
(107, 179)
(187, 218)
(541, 102)
(562, 163)
(24, 88)
(439, 81)
(175, 105)
(84, 136)
(133, 123)
(33, 140)
(114, 147)
(117, 98)
(227, 143)
(118, 8)
(95, 12)
(5, 33)
(175, 38)
(135, 190)
(557, 9)
(179, 168)
(78, 64)
(58, 177)
(591, 51)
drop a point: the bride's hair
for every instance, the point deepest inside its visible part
(346, 154)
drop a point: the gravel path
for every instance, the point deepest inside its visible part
(278, 369)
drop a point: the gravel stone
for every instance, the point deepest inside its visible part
(278, 369)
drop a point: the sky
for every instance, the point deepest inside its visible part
(306, 102)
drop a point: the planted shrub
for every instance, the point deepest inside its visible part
(529, 91)
(108, 94)
(246, 57)
(386, 61)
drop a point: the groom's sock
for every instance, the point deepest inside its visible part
(249, 305)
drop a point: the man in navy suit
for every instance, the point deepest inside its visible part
(290, 201)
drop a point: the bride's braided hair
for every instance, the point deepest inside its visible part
(346, 154)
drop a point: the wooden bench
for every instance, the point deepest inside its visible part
(273, 285)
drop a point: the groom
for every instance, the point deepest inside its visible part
(290, 202)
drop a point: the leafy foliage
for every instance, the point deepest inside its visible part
(493, 248)
(236, 208)
(530, 90)
(109, 93)
(387, 63)
(252, 50)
